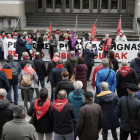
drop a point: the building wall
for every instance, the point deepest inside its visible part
(130, 8)
(30, 6)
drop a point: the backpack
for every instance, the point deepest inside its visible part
(15, 72)
(26, 80)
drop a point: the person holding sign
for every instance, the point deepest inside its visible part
(107, 44)
(121, 37)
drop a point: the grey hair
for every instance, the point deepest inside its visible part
(20, 112)
(104, 86)
(62, 94)
(56, 54)
(72, 53)
(78, 85)
(28, 64)
(3, 92)
(133, 94)
(105, 62)
(60, 61)
(88, 46)
(124, 62)
(25, 54)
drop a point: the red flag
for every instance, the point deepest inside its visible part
(50, 28)
(119, 26)
(93, 30)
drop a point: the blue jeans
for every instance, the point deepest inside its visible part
(105, 54)
(65, 136)
(9, 94)
(42, 82)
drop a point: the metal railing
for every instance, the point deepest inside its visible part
(17, 22)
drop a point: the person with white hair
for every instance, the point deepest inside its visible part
(121, 36)
(125, 76)
(76, 98)
(47, 35)
(108, 100)
(89, 54)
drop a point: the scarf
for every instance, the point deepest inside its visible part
(29, 70)
(29, 40)
(2, 36)
(9, 38)
(124, 70)
(41, 110)
(14, 34)
(59, 66)
(121, 35)
(66, 38)
(59, 104)
(55, 59)
(26, 57)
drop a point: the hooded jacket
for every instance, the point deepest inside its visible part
(6, 112)
(108, 100)
(70, 63)
(76, 98)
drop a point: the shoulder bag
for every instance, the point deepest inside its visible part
(108, 75)
(73, 76)
(32, 120)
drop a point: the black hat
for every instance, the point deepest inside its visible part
(86, 34)
(88, 95)
(10, 56)
(2, 32)
(133, 87)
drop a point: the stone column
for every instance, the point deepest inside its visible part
(130, 7)
(137, 9)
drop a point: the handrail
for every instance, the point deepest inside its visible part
(137, 26)
(17, 22)
(76, 25)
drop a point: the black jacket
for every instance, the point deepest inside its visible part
(44, 124)
(63, 120)
(20, 46)
(64, 84)
(115, 63)
(40, 44)
(4, 83)
(40, 68)
(6, 112)
(122, 112)
(26, 61)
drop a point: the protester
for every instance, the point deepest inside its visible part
(135, 64)
(47, 35)
(71, 62)
(28, 91)
(34, 35)
(53, 46)
(69, 33)
(125, 76)
(126, 103)
(9, 36)
(15, 34)
(39, 43)
(57, 34)
(41, 71)
(6, 109)
(62, 114)
(80, 71)
(29, 45)
(26, 60)
(56, 76)
(93, 38)
(64, 84)
(89, 117)
(121, 37)
(107, 44)
(24, 34)
(106, 75)
(113, 60)
(16, 69)
(76, 99)
(18, 128)
(108, 100)
(43, 124)
(110, 64)
(20, 46)
(89, 54)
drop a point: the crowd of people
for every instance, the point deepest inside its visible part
(72, 111)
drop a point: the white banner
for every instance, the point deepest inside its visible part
(123, 50)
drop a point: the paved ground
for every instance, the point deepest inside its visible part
(89, 87)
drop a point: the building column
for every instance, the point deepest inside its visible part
(130, 7)
(137, 9)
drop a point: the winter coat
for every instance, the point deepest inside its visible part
(63, 120)
(70, 63)
(122, 82)
(19, 129)
(44, 124)
(64, 84)
(40, 44)
(115, 63)
(40, 68)
(4, 83)
(89, 118)
(76, 98)
(20, 46)
(55, 76)
(55, 43)
(135, 64)
(26, 61)
(122, 111)
(102, 75)
(6, 113)
(81, 74)
(34, 79)
(89, 57)
(108, 100)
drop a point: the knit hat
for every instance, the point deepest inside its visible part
(88, 95)
(10, 56)
(133, 87)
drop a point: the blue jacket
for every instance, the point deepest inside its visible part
(108, 101)
(89, 57)
(28, 46)
(76, 99)
(102, 75)
(55, 76)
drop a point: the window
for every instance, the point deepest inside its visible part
(104, 4)
(85, 4)
(95, 4)
(114, 4)
(58, 4)
(76, 4)
(123, 4)
(39, 3)
(49, 4)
